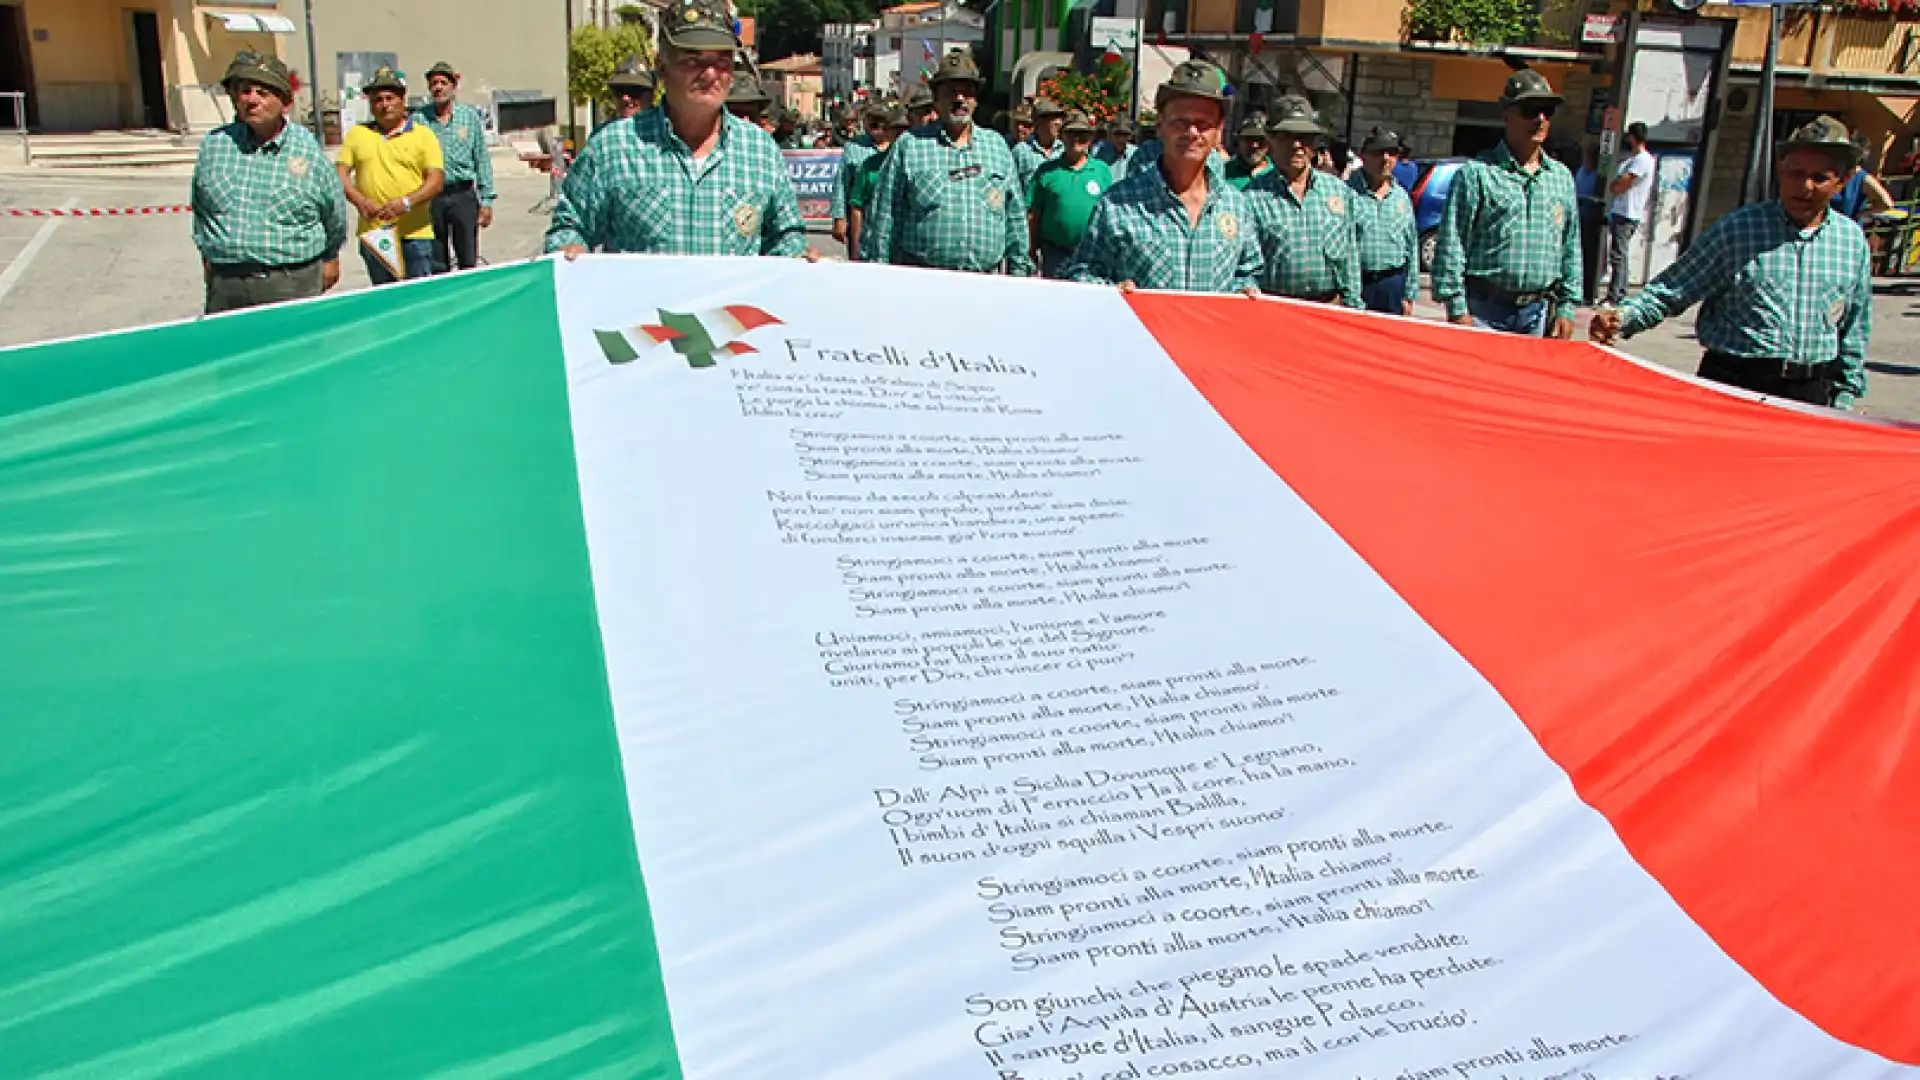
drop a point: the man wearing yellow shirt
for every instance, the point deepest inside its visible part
(392, 169)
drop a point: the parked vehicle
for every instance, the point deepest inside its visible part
(1432, 181)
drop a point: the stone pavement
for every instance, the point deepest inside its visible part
(88, 275)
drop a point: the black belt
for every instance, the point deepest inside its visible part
(1375, 277)
(1486, 290)
(1319, 298)
(1771, 367)
(259, 270)
(457, 188)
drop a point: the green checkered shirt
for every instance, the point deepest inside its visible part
(636, 188)
(857, 150)
(1139, 233)
(1769, 291)
(1028, 157)
(277, 203)
(1116, 159)
(1240, 174)
(1387, 231)
(1307, 242)
(939, 204)
(463, 143)
(1519, 231)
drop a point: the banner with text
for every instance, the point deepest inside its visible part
(719, 668)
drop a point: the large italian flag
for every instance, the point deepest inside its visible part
(723, 668)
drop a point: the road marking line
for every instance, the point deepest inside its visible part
(18, 267)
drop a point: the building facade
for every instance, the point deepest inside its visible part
(846, 59)
(1354, 60)
(915, 36)
(109, 64)
(795, 84)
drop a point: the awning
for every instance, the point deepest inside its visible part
(238, 23)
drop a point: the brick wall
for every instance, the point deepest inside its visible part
(1397, 92)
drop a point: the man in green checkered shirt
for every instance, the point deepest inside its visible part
(269, 215)
(1508, 256)
(1174, 223)
(685, 179)
(1044, 144)
(1785, 286)
(948, 196)
(855, 151)
(1301, 215)
(465, 205)
(1385, 227)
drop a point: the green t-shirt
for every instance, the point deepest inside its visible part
(860, 188)
(1062, 198)
(1239, 175)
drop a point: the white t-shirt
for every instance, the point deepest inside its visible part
(1632, 204)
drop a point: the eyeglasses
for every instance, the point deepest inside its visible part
(1198, 125)
(1534, 111)
(704, 59)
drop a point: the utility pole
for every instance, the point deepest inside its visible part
(573, 115)
(1760, 164)
(1139, 43)
(313, 78)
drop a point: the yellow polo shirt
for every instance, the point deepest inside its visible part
(386, 167)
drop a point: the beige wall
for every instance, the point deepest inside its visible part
(1352, 20)
(496, 44)
(80, 72)
(84, 70)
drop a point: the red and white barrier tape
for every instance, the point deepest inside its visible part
(99, 211)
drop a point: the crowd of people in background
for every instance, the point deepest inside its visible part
(1178, 202)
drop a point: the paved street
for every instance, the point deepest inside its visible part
(68, 276)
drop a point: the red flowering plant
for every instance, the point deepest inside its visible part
(1102, 95)
(1899, 9)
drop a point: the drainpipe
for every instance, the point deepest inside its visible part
(313, 79)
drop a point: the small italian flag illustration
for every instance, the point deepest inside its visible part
(696, 335)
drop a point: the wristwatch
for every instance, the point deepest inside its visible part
(406, 201)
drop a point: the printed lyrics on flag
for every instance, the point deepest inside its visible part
(977, 565)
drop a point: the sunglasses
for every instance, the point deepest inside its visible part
(1535, 111)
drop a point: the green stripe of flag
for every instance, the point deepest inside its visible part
(310, 766)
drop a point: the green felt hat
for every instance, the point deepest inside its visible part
(631, 75)
(1826, 134)
(1382, 139)
(1528, 85)
(267, 71)
(1196, 79)
(385, 78)
(699, 26)
(956, 66)
(1294, 115)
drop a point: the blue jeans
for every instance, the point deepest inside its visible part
(1491, 314)
(1387, 294)
(417, 255)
